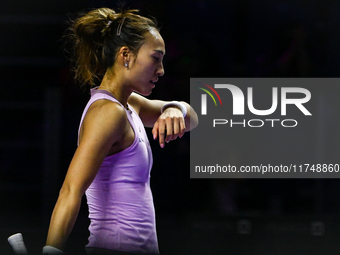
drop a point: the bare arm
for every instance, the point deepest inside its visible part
(168, 125)
(102, 127)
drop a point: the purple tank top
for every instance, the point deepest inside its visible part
(120, 201)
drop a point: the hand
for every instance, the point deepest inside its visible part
(169, 126)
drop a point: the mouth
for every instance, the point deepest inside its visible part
(153, 82)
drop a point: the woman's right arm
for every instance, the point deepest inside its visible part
(101, 128)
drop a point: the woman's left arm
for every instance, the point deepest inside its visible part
(167, 125)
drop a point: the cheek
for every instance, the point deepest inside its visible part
(144, 69)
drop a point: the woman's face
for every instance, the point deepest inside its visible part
(147, 65)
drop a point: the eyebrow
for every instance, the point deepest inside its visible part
(160, 51)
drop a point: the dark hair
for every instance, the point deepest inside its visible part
(96, 42)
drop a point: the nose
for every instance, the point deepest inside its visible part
(160, 70)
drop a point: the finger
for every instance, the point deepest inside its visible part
(182, 127)
(169, 129)
(176, 128)
(161, 133)
(155, 130)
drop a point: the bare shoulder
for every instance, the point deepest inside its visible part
(104, 120)
(106, 107)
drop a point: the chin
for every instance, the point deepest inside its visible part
(147, 93)
(144, 93)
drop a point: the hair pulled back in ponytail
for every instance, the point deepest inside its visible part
(97, 37)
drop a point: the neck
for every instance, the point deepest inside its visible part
(116, 88)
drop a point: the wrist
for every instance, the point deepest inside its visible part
(177, 104)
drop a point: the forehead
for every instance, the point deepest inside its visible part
(154, 41)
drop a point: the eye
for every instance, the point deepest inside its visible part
(156, 58)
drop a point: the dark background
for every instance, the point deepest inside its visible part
(40, 109)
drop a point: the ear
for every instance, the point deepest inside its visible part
(124, 54)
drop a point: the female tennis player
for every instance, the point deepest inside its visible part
(113, 160)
